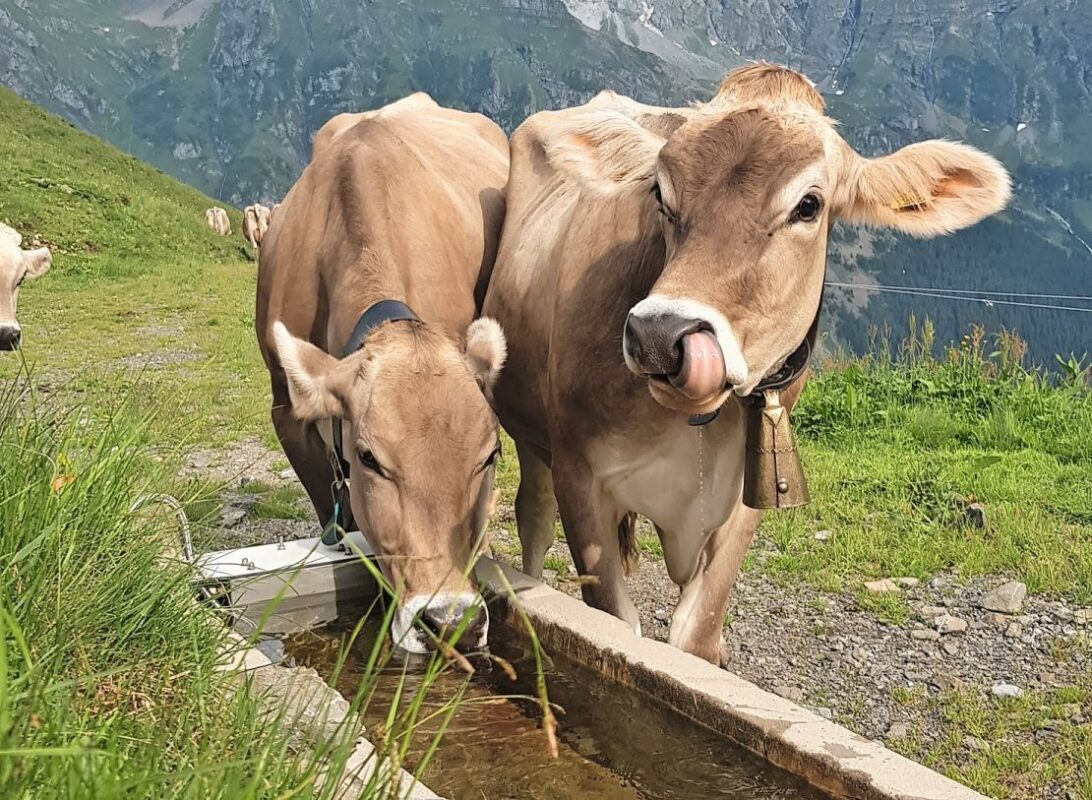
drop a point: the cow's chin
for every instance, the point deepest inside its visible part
(670, 398)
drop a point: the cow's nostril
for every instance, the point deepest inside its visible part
(654, 342)
(443, 623)
(10, 338)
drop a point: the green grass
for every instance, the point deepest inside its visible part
(108, 685)
(895, 448)
(1008, 761)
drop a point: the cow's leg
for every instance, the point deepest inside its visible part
(698, 621)
(591, 520)
(536, 509)
(307, 454)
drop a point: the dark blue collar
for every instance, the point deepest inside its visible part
(376, 315)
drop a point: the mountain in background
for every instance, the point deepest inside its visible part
(226, 94)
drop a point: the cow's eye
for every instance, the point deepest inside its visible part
(368, 461)
(807, 210)
(667, 212)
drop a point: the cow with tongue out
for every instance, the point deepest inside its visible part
(656, 267)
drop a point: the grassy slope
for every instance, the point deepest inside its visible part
(888, 445)
(139, 285)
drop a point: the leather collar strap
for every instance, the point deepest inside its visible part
(372, 318)
(376, 315)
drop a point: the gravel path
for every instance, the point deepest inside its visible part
(823, 651)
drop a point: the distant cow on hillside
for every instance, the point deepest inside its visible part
(217, 219)
(16, 265)
(255, 224)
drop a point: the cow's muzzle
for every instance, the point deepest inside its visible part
(445, 618)
(10, 337)
(680, 350)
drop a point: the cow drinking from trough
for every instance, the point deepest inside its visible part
(656, 266)
(16, 267)
(369, 283)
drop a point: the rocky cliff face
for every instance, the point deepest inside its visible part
(227, 94)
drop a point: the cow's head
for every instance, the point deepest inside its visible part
(747, 187)
(16, 266)
(422, 442)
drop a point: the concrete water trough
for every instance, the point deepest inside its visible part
(799, 754)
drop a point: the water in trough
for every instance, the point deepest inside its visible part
(616, 743)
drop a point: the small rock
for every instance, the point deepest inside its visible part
(662, 615)
(975, 514)
(1005, 690)
(1014, 631)
(1008, 598)
(232, 516)
(925, 635)
(884, 586)
(945, 682)
(928, 613)
(824, 712)
(199, 461)
(287, 474)
(1071, 710)
(550, 575)
(1000, 620)
(823, 536)
(950, 647)
(898, 730)
(791, 693)
(974, 743)
(939, 582)
(946, 623)
(907, 583)
(1083, 616)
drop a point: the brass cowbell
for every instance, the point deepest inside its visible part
(772, 475)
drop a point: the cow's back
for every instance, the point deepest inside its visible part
(537, 287)
(411, 193)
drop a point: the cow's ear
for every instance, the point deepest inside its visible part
(603, 150)
(37, 262)
(10, 235)
(924, 189)
(317, 382)
(486, 350)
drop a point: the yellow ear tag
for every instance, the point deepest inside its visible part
(906, 203)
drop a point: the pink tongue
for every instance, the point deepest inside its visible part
(702, 374)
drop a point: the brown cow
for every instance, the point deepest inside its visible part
(16, 266)
(405, 204)
(660, 263)
(255, 223)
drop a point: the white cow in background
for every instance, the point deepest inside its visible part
(16, 266)
(255, 224)
(217, 219)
